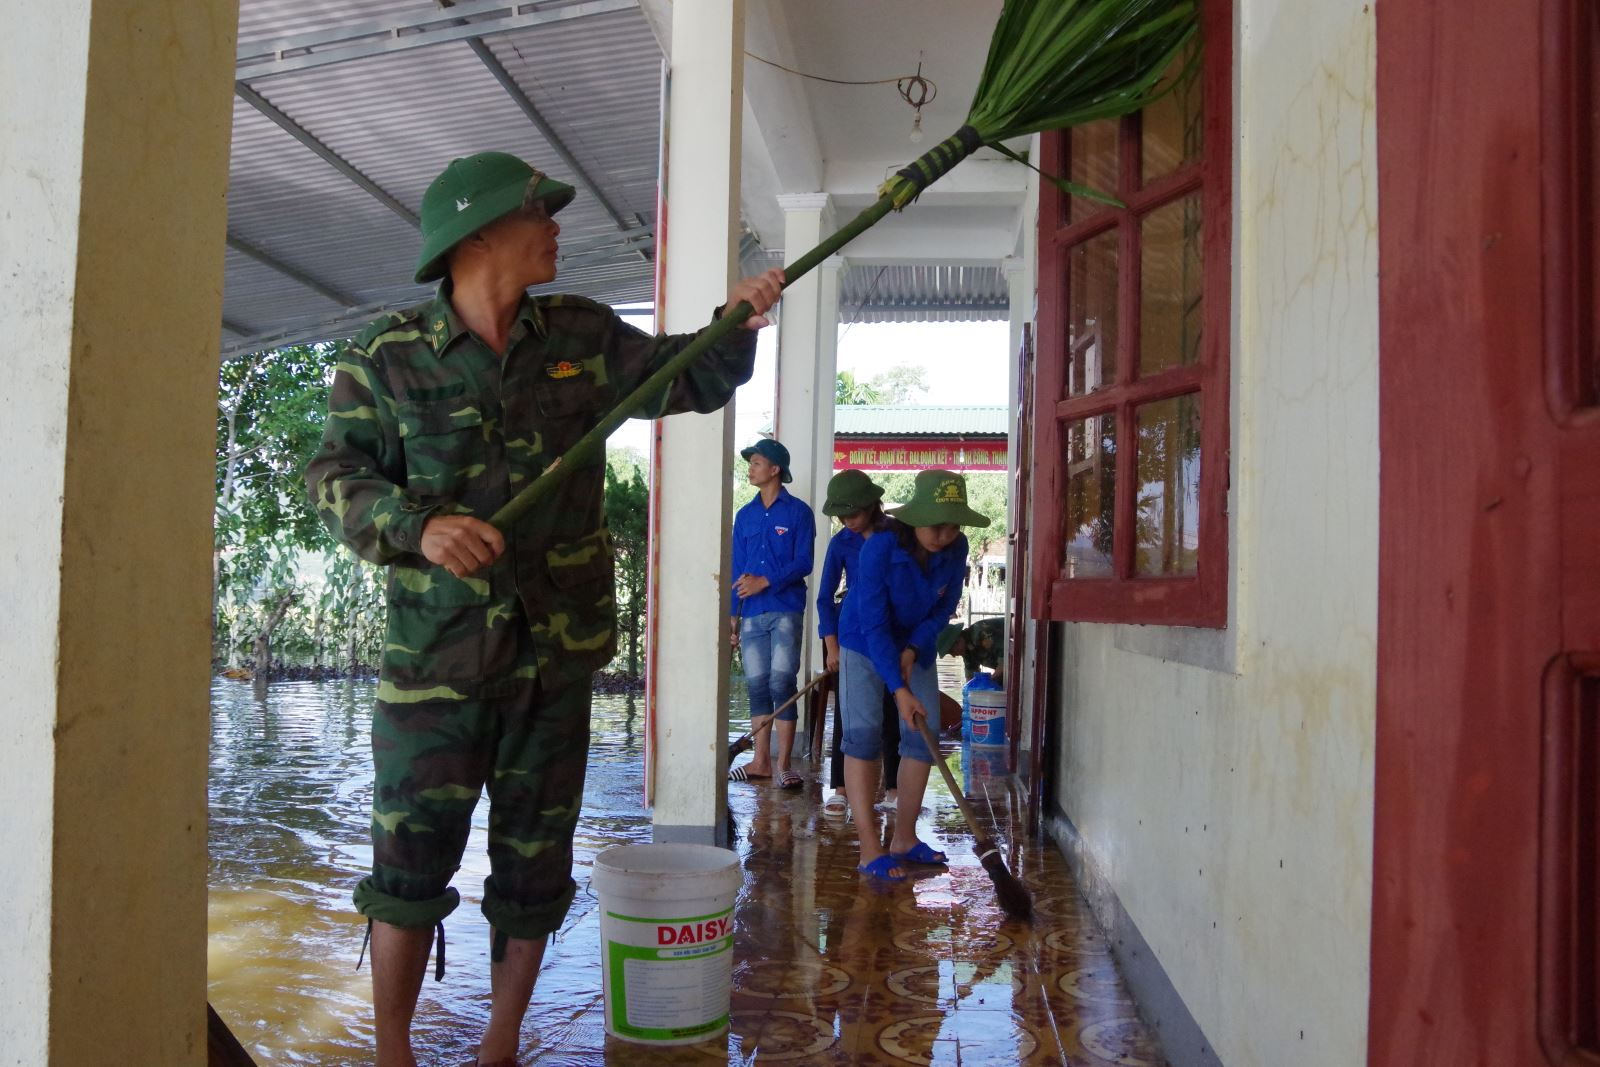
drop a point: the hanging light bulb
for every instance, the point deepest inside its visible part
(916, 90)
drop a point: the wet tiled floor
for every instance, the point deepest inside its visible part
(830, 969)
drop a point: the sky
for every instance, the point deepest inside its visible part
(965, 363)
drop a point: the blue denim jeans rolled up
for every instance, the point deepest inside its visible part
(861, 692)
(770, 646)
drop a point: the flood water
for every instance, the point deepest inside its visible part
(826, 968)
(290, 802)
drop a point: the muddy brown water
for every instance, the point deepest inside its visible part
(290, 796)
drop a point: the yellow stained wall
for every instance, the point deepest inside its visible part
(114, 130)
(1222, 782)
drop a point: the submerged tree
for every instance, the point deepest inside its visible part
(628, 515)
(270, 410)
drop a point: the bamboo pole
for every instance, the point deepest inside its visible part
(896, 193)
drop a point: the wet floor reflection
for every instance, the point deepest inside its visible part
(828, 969)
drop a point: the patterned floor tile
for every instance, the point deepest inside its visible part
(833, 969)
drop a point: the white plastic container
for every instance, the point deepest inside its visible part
(988, 716)
(666, 940)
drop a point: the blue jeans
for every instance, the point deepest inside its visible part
(861, 692)
(770, 646)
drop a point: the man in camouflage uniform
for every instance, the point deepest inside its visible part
(983, 644)
(438, 416)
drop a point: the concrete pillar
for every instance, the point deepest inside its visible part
(693, 490)
(807, 339)
(830, 274)
(115, 116)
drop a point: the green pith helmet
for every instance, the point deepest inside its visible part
(850, 491)
(473, 192)
(938, 497)
(947, 639)
(773, 453)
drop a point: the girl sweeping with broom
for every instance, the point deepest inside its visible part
(906, 587)
(853, 499)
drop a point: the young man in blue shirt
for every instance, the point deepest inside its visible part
(773, 538)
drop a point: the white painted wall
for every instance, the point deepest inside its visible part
(45, 112)
(1228, 799)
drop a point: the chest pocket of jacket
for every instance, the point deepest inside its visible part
(569, 405)
(443, 442)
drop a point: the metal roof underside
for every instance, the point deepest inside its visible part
(923, 292)
(344, 110)
(899, 420)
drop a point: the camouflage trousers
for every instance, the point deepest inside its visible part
(433, 759)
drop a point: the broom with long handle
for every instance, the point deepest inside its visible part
(1052, 64)
(1014, 896)
(747, 742)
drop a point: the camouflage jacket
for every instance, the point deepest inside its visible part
(424, 419)
(986, 644)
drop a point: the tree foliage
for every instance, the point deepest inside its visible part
(848, 392)
(628, 515)
(283, 588)
(897, 385)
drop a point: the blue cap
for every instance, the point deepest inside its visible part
(774, 453)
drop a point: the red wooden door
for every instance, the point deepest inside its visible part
(1487, 822)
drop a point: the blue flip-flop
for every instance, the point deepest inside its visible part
(880, 868)
(921, 853)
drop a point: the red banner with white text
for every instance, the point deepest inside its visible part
(912, 454)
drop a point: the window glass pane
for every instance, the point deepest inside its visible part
(1170, 287)
(1092, 314)
(1092, 162)
(1091, 496)
(1172, 126)
(1168, 525)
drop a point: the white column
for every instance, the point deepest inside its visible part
(808, 218)
(115, 117)
(830, 272)
(693, 486)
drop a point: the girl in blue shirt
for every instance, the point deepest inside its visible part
(905, 588)
(853, 499)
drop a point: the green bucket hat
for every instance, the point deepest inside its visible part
(774, 453)
(947, 639)
(473, 192)
(850, 491)
(938, 497)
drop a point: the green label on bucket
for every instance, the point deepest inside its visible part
(667, 976)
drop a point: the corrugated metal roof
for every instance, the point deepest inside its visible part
(919, 292)
(898, 420)
(397, 117)
(923, 292)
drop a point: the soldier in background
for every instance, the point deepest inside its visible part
(983, 644)
(438, 416)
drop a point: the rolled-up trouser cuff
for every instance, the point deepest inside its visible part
(529, 922)
(374, 903)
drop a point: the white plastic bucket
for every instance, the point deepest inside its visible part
(666, 940)
(988, 716)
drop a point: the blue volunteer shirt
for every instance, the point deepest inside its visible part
(837, 564)
(894, 603)
(777, 544)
